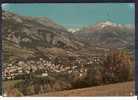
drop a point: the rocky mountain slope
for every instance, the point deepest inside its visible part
(25, 37)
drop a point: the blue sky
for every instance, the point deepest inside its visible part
(77, 15)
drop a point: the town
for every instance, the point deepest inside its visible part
(43, 67)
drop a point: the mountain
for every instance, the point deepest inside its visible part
(34, 36)
(26, 37)
(107, 35)
(40, 31)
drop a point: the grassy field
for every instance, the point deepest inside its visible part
(8, 88)
(118, 89)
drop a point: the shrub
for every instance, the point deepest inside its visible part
(117, 66)
(39, 85)
(94, 75)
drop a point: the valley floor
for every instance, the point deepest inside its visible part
(118, 89)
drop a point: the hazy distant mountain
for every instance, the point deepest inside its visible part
(108, 35)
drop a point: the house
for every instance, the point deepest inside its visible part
(44, 74)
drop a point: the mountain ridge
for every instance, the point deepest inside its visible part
(39, 36)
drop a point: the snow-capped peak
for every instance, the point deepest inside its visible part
(73, 30)
(106, 23)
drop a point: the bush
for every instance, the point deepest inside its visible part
(39, 85)
(94, 75)
(117, 66)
